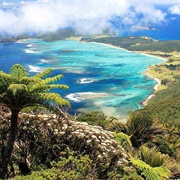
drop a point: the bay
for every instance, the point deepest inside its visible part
(100, 77)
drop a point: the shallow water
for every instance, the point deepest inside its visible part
(100, 77)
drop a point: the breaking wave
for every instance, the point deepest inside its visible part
(85, 81)
(34, 69)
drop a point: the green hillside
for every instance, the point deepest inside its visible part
(141, 43)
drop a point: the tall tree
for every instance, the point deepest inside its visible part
(17, 91)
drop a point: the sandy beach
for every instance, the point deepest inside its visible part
(155, 87)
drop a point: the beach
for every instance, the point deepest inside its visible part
(155, 87)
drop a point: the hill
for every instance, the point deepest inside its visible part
(138, 43)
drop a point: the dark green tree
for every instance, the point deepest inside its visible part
(18, 91)
(140, 127)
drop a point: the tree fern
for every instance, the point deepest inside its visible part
(18, 91)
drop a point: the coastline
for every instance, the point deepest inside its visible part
(158, 81)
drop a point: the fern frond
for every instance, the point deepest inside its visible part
(17, 89)
(30, 80)
(18, 72)
(58, 86)
(53, 79)
(163, 172)
(44, 73)
(150, 174)
(141, 165)
(6, 79)
(53, 98)
(39, 87)
(152, 156)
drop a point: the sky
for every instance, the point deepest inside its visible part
(87, 17)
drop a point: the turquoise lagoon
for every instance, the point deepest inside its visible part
(100, 77)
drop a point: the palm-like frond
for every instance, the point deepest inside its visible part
(42, 87)
(5, 79)
(44, 73)
(152, 156)
(17, 89)
(151, 173)
(58, 86)
(30, 80)
(143, 128)
(53, 79)
(53, 98)
(18, 72)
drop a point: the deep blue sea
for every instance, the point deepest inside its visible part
(100, 77)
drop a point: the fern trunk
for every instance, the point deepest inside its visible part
(10, 144)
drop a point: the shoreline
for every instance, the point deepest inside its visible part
(146, 53)
(158, 81)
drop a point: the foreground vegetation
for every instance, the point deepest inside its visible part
(57, 147)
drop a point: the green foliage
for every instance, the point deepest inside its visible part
(96, 118)
(141, 128)
(19, 91)
(18, 72)
(152, 156)
(124, 140)
(150, 173)
(165, 105)
(71, 168)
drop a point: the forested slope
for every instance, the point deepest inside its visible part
(141, 43)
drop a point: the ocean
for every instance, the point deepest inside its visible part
(100, 77)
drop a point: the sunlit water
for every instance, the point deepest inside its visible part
(100, 77)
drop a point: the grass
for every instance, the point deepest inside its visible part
(168, 71)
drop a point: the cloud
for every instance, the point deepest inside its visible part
(175, 9)
(4, 3)
(162, 2)
(86, 17)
